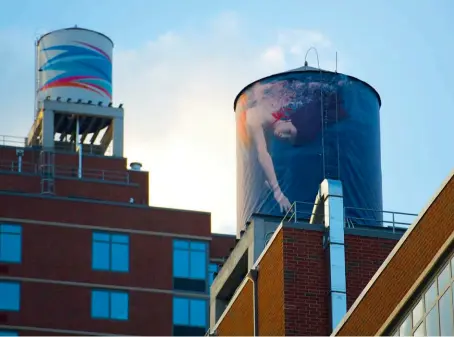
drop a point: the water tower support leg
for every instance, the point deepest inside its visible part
(48, 129)
(118, 129)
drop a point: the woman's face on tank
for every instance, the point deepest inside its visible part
(285, 130)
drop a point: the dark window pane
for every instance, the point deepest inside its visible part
(189, 284)
(198, 265)
(119, 305)
(180, 263)
(101, 254)
(198, 313)
(9, 296)
(179, 330)
(99, 304)
(180, 311)
(120, 257)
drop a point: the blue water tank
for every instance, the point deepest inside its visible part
(298, 127)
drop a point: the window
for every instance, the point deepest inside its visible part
(8, 333)
(212, 269)
(432, 312)
(109, 304)
(189, 316)
(10, 295)
(190, 265)
(110, 252)
(10, 243)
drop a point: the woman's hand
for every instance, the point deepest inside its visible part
(284, 203)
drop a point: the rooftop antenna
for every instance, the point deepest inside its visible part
(336, 63)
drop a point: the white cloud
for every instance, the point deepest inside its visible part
(178, 92)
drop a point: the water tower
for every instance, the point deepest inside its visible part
(296, 128)
(74, 94)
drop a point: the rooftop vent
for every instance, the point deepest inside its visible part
(135, 166)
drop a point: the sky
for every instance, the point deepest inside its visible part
(178, 66)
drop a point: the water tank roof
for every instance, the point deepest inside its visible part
(304, 68)
(309, 69)
(75, 28)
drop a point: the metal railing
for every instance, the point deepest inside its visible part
(66, 171)
(300, 211)
(13, 141)
(94, 174)
(303, 211)
(65, 147)
(13, 166)
(390, 219)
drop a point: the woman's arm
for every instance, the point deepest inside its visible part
(258, 137)
(264, 157)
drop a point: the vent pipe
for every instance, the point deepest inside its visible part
(20, 154)
(135, 166)
(331, 196)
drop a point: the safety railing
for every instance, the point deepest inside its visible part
(300, 211)
(13, 166)
(303, 211)
(66, 147)
(66, 171)
(95, 174)
(13, 141)
(372, 217)
(88, 149)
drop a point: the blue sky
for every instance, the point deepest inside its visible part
(180, 63)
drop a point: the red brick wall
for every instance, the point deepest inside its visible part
(68, 307)
(100, 214)
(8, 154)
(221, 245)
(363, 257)
(48, 253)
(306, 283)
(64, 254)
(307, 276)
(94, 167)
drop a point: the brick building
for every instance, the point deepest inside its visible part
(81, 251)
(288, 277)
(412, 294)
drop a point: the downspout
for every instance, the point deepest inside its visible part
(253, 276)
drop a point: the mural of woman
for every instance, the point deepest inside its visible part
(275, 108)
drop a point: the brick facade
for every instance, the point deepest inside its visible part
(239, 321)
(56, 273)
(293, 282)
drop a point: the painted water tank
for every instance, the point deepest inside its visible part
(75, 63)
(298, 127)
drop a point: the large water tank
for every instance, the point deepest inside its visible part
(298, 127)
(75, 63)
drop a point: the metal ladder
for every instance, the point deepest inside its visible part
(330, 140)
(47, 170)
